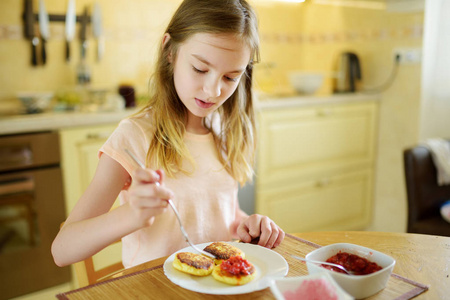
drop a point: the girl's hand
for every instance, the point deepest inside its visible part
(148, 198)
(262, 227)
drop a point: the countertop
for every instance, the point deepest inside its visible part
(267, 102)
(53, 121)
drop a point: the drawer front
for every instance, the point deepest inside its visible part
(307, 140)
(340, 202)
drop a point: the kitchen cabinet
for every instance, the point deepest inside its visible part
(79, 158)
(315, 165)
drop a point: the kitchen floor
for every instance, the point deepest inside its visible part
(46, 294)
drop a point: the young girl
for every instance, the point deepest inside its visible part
(197, 138)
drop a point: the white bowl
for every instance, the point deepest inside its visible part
(306, 82)
(35, 102)
(359, 286)
(321, 285)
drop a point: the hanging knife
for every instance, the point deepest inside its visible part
(29, 30)
(70, 26)
(84, 22)
(43, 27)
(98, 30)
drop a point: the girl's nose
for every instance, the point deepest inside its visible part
(212, 88)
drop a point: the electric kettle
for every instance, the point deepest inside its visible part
(348, 71)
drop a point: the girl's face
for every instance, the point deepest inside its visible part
(207, 70)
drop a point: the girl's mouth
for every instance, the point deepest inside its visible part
(203, 104)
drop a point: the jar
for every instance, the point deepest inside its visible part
(127, 92)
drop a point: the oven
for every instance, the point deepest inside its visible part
(31, 211)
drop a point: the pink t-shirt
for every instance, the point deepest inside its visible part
(206, 200)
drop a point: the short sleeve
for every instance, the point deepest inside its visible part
(131, 135)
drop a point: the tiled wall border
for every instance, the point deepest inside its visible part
(15, 32)
(363, 35)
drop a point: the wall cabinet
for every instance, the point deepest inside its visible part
(315, 166)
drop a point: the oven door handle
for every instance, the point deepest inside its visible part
(15, 156)
(24, 184)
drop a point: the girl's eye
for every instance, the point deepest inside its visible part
(198, 71)
(232, 79)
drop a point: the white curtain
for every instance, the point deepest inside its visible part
(435, 98)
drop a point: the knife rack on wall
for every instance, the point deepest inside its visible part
(34, 17)
(30, 18)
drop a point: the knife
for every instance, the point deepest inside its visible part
(70, 26)
(98, 30)
(43, 27)
(84, 21)
(29, 30)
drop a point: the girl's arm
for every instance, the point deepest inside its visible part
(91, 226)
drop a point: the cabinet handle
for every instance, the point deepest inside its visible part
(98, 135)
(323, 182)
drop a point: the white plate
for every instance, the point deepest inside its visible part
(269, 265)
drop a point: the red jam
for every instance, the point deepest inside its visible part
(352, 262)
(236, 265)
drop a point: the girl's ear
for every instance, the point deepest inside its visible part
(165, 40)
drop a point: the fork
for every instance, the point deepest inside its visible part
(183, 231)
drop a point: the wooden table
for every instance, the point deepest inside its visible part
(421, 259)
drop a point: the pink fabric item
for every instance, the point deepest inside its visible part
(206, 200)
(312, 289)
(445, 211)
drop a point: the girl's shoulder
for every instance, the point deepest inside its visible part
(141, 120)
(137, 128)
(134, 132)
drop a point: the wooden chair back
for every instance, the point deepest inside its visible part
(87, 272)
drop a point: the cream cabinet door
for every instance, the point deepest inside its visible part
(340, 202)
(315, 166)
(306, 140)
(79, 158)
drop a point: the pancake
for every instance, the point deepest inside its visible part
(234, 271)
(194, 264)
(223, 251)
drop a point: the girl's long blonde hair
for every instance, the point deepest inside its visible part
(236, 139)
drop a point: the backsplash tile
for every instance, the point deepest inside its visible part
(292, 37)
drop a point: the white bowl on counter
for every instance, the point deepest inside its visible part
(306, 83)
(359, 286)
(35, 102)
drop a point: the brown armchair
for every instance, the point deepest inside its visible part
(425, 196)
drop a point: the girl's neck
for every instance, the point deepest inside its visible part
(196, 125)
(199, 131)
